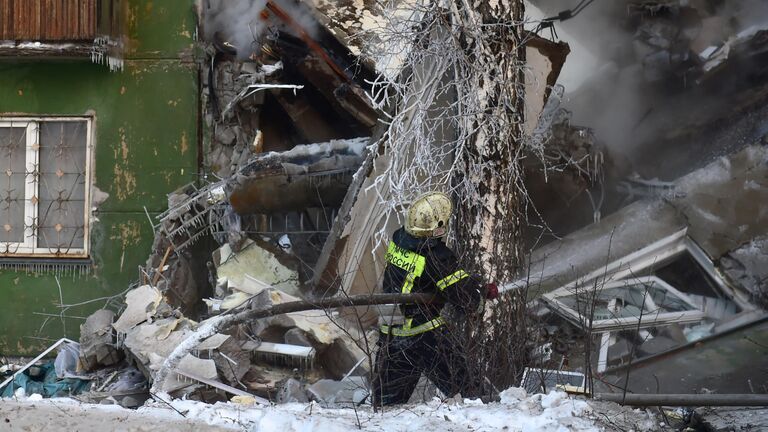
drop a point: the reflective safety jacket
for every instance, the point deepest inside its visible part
(416, 265)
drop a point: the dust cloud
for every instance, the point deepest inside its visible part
(242, 24)
(629, 86)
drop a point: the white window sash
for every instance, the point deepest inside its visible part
(28, 247)
(649, 318)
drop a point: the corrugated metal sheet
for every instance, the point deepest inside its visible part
(48, 20)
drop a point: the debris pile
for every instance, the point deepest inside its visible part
(677, 286)
(274, 358)
(289, 125)
(287, 212)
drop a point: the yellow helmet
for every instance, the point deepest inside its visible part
(428, 216)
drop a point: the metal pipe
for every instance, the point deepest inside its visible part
(635, 399)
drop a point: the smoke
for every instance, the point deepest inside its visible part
(747, 13)
(627, 79)
(242, 23)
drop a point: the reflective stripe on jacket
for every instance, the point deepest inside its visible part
(425, 266)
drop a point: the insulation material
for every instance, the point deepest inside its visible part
(545, 60)
(141, 304)
(257, 263)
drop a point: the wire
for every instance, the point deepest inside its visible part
(562, 16)
(570, 13)
(581, 6)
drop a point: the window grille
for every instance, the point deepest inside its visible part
(44, 187)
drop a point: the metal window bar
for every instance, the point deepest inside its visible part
(188, 221)
(63, 218)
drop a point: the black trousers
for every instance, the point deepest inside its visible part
(401, 360)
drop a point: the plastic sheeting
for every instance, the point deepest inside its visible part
(42, 380)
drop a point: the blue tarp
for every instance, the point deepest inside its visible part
(46, 383)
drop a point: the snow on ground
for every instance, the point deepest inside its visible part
(67, 415)
(516, 412)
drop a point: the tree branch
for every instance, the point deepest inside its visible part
(217, 324)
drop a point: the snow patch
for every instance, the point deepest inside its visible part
(517, 411)
(353, 145)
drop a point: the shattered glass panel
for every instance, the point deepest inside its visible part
(13, 159)
(633, 344)
(61, 208)
(629, 300)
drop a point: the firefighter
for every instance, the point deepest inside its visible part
(418, 261)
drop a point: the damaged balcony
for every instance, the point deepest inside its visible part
(65, 29)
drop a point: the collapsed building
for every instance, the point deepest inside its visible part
(288, 209)
(287, 112)
(659, 291)
(666, 290)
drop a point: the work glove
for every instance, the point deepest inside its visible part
(491, 291)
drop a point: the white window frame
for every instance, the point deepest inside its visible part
(534, 376)
(649, 257)
(28, 247)
(649, 319)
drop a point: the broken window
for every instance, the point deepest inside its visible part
(537, 380)
(43, 205)
(623, 303)
(654, 300)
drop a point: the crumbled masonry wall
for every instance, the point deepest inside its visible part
(145, 145)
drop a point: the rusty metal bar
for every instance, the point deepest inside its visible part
(678, 400)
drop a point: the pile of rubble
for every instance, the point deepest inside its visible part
(289, 131)
(288, 124)
(269, 359)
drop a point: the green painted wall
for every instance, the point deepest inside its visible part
(145, 145)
